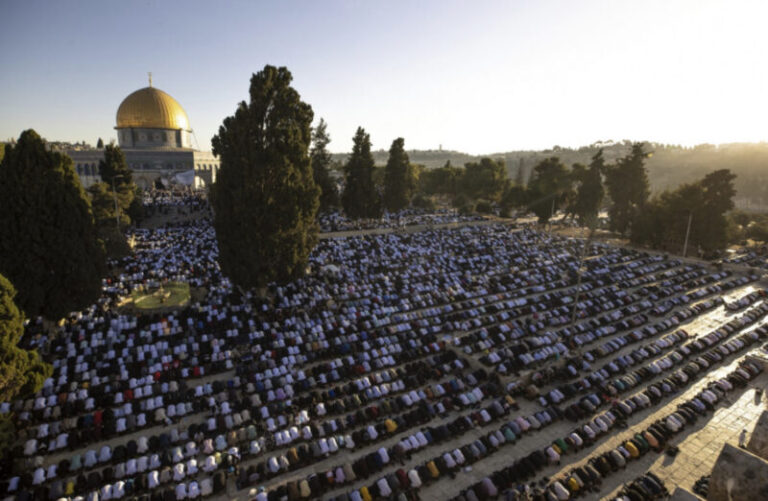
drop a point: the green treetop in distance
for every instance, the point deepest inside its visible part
(321, 165)
(485, 179)
(114, 167)
(663, 222)
(628, 187)
(399, 178)
(548, 187)
(49, 248)
(360, 198)
(590, 193)
(107, 229)
(265, 199)
(22, 372)
(100, 144)
(443, 180)
(114, 171)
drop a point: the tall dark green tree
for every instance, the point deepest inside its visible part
(485, 179)
(114, 167)
(628, 187)
(99, 144)
(265, 198)
(106, 220)
(399, 179)
(663, 222)
(321, 165)
(49, 249)
(114, 171)
(22, 372)
(589, 193)
(360, 197)
(548, 188)
(719, 191)
(710, 218)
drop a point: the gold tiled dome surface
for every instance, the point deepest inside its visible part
(151, 108)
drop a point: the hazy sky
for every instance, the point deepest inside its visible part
(475, 76)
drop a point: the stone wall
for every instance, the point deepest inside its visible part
(758, 443)
(738, 475)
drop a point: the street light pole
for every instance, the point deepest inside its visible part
(687, 233)
(551, 215)
(114, 197)
(117, 212)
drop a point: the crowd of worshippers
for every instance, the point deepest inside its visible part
(243, 390)
(336, 221)
(644, 488)
(174, 201)
(517, 481)
(754, 257)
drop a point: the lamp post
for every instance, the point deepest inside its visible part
(114, 197)
(687, 234)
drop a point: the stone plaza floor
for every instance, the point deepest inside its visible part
(700, 447)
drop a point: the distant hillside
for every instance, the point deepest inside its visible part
(428, 158)
(668, 167)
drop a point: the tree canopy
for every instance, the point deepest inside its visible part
(399, 178)
(628, 187)
(548, 187)
(113, 167)
(443, 180)
(589, 193)
(22, 372)
(663, 223)
(360, 197)
(116, 174)
(49, 249)
(265, 199)
(106, 219)
(484, 179)
(321, 165)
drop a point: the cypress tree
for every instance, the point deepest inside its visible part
(321, 163)
(265, 199)
(49, 249)
(398, 178)
(360, 198)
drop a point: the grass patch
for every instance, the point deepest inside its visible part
(171, 295)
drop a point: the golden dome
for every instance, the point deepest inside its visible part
(153, 109)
